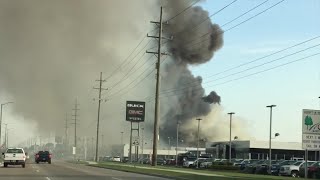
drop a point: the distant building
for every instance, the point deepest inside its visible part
(249, 149)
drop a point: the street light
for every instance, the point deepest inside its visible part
(198, 119)
(230, 113)
(169, 146)
(122, 146)
(177, 138)
(3, 104)
(270, 106)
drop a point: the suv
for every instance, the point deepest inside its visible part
(14, 156)
(291, 170)
(43, 156)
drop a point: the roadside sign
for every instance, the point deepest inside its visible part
(135, 141)
(135, 111)
(310, 129)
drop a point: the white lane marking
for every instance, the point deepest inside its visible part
(116, 178)
(48, 178)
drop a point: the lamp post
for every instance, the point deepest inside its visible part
(198, 119)
(270, 106)
(169, 144)
(230, 113)
(3, 104)
(177, 138)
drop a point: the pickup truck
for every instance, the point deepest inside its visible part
(43, 156)
(14, 156)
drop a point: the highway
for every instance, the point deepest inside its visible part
(60, 170)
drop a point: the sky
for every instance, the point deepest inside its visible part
(292, 87)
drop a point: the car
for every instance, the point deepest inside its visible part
(189, 162)
(14, 156)
(264, 167)
(198, 161)
(43, 156)
(251, 167)
(116, 159)
(275, 168)
(313, 167)
(161, 161)
(291, 170)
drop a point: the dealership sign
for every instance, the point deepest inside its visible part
(135, 111)
(310, 129)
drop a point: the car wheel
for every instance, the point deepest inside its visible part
(23, 165)
(314, 176)
(5, 165)
(37, 162)
(49, 161)
(294, 174)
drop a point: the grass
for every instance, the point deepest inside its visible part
(182, 173)
(77, 162)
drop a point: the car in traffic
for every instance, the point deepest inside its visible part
(43, 156)
(14, 156)
(291, 170)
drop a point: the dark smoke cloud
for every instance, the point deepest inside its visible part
(191, 102)
(213, 97)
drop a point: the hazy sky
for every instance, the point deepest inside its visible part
(292, 87)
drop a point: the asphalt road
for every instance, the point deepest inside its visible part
(60, 170)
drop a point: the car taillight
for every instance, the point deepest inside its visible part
(37, 155)
(50, 155)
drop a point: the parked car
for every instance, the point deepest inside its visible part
(116, 159)
(275, 168)
(246, 162)
(188, 162)
(313, 166)
(161, 161)
(43, 156)
(251, 168)
(237, 162)
(170, 162)
(264, 167)
(199, 161)
(290, 170)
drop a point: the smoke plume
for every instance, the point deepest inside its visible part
(188, 47)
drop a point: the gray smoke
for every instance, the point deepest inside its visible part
(188, 101)
(51, 52)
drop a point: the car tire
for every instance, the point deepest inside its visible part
(49, 161)
(37, 162)
(294, 174)
(23, 165)
(5, 165)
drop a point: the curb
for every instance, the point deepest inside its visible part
(148, 174)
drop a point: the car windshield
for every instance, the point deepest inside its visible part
(298, 163)
(14, 151)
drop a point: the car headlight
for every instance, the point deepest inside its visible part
(287, 168)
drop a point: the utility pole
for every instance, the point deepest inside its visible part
(102, 148)
(66, 132)
(98, 120)
(1, 108)
(231, 113)
(198, 119)
(75, 123)
(270, 106)
(177, 143)
(157, 102)
(122, 146)
(6, 135)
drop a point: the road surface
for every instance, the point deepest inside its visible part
(60, 170)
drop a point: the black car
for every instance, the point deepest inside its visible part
(43, 156)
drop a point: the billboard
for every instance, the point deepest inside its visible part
(310, 129)
(135, 111)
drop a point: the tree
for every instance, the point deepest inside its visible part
(308, 121)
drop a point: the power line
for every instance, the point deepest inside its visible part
(207, 39)
(250, 62)
(215, 13)
(195, 2)
(250, 68)
(259, 72)
(126, 59)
